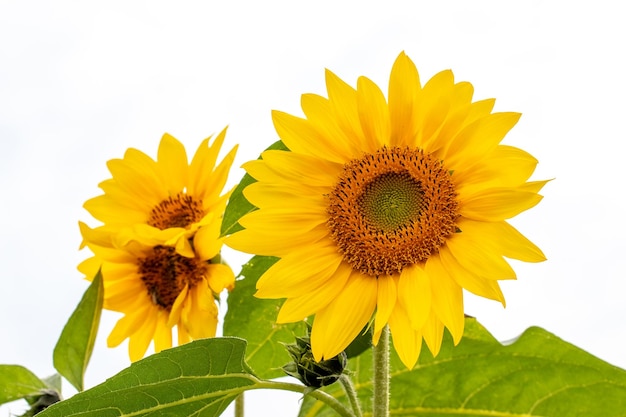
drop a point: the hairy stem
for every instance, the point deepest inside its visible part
(348, 387)
(381, 375)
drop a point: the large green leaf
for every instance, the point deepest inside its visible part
(238, 205)
(536, 375)
(17, 382)
(197, 379)
(73, 350)
(255, 320)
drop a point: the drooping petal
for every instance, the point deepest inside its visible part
(140, 340)
(385, 303)
(220, 277)
(447, 297)
(342, 319)
(162, 333)
(414, 293)
(467, 279)
(201, 321)
(406, 340)
(433, 333)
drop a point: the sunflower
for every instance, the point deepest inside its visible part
(159, 244)
(388, 208)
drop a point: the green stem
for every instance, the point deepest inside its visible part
(239, 405)
(320, 395)
(381, 375)
(346, 382)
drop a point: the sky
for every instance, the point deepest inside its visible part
(80, 82)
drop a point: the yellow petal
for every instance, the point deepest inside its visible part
(298, 273)
(473, 283)
(297, 308)
(506, 166)
(505, 239)
(447, 297)
(433, 333)
(344, 317)
(478, 139)
(268, 243)
(172, 162)
(177, 307)
(433, 108)
(406, 340)
(404, 86)
(202, 319)
(414, 293)
(183, 335)
(296, 197)
(297, 169)
(385, 303)
(301, 137)
(497, 204)
(220, 277)
(89, 267)
(203, 164)
(343, 100)
(373, 114)
(214, 184)
(478, 258)
(162, 333)
(319, 112)
(278, 219)
(206, 241)
(140, 340)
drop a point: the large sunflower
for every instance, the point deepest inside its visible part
(159, 246)
(389, 207)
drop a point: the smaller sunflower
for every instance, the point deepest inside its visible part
(159, 246)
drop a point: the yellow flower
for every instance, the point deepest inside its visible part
(389, 207)
(160, 242)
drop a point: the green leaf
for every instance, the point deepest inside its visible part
(197, 379)
(73, 350)
(536, 375)
(254, 319)
(17, 382)
(238, 205)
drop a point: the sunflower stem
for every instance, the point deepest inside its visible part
(239, 405)
(320, 395)
(348, 387)
(381, 375)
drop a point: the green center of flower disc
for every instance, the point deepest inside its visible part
(391, 200)
(165, 274)
(392, 209)
(180, 210)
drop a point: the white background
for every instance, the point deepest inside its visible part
(82, 81)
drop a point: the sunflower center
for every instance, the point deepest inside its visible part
(180, 210)
(165, 273)
(391, 200)
(392, 209)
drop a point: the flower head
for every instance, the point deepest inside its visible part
(388, 207)
(159, 245)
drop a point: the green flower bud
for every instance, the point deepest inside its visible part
(307, 370)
